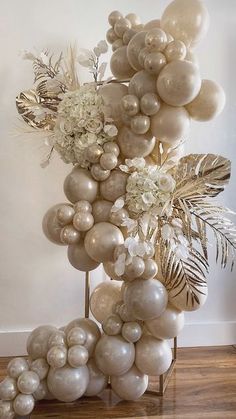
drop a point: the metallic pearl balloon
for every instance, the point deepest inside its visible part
(121, 26)
(76, 336)
(118, 217)
(112, 325)
(68, 384)
(79, 258)
(176, 50)
(117, 44)
(209, 103)
(77, 356)
(156, 39)
(57, 356)
(130, 104)
(178, 298)
(57, 338)
(97, 380)
(153, 356)
(103, 298)
(154, 62)
(6, 410)
(112, 94)
(125, 313)
(28, 382)
(128, 35)
(168, 325)
(135, 268)
(170, 124)
(79, 185)
(146, 299)
(91, 329)
(8, 389)
(84, 206)
(191, 56)
(23, 404)
(51, 225)
(131, 385)
(150, 269)
(109, 268)
(114, 17)
(150, 104)
(101, 210)
(111, 147)
(140, 124)
(114, 355)
(119, 64)
(93, 153)
(142, 55)
(134, 19)
(111, 36)
(37, 342)
(69, 235)
(114, 186)
(134, 47)
(134, 145)
(101, 241)
(142, 82)
(40, 367)
(99, 173)
(108, 161)
(65, 214)
(155, 23)
(16, 366)
(179, 83)
(131, 331)
(83, 221)
(42, 392)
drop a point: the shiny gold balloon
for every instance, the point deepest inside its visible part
(97, 380)
(134, 47)
(140, 124)
(178, 298)
(77, 356)
(76, 336)
(134, 145)
(130, 104)
(142, 82)
(37, 342)
(79, 185)
(121, 26)
(154, 62)
(179, 83)
(99, 173)
(176, 50)
(51, 225)
(187, 20)
(156, 39)
(112, 93)
(112, 325)
(101, 210)
(23, 404)
(170, 124)
(93, 153)
(57, 356)
(155, 23)
(120, 66)
(134, 269)
(131, 385)
(114, 186)
(8, 389)
(150, 104)
(153, 356)
(16, 366)
(114, 355)
(6, 410)
(114, 17)
(131, 331)
(68, 384)
(28, 382)
(69, 235)
(83, 221)
(168, 325)
(40, 367)
(209, 103)
(42, 392)
(91, 329)
(108, 161)
(65, 214)
(109, 268)
(79, 258)
(103, 298)
(118, 217)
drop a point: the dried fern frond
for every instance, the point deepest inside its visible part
(44, 67)
(69, 69)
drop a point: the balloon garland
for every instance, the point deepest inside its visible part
(135, 204)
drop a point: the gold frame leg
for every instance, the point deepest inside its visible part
(87, 295)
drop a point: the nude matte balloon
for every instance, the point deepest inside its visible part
(8, 389)
(131, 385)
(114, 16)
(134, 48)
(6, 410)
(37, 342)
(23, 404)
(142, 83)
(114, 186)
(79, 185)
(79, 258)
(92, 331)
(16, 366)
(112, 94)
(114, 355)
(170, 124)
(209, 103)
(134, 145)
(28, 382)
(181, 302)
(153, 356)
(68, 384)
(97, 380)
(146, 299)
(103, 298)
(51, 225)
(101, 210)
(168, 325)
(179, 83)
(187, 20)
(120, 66)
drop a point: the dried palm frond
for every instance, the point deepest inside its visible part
(44, 67)
(69, 69)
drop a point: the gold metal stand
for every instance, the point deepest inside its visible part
(87, 295)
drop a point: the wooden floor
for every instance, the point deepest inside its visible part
(203, 385)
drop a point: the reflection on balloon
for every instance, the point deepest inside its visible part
(101, 240)
(23, 404)
(8, 389)
(16, 366)
(142, 83)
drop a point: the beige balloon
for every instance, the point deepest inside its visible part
(155, 23)
(98, 173)
(112, 94)
(37, 342)
(112, 325)
(101, 210)
(109, 268)
(153, 356)
(131, 331)
(121, 26)
(111, 36)
(168, 325)
(65, 214)
(108, 161)
(134, 145)
(51, 225)
(114, 186)
(79, 258)
(42, 392)
(156, 39)
(78, 356)
(141, 83)
(112, 147)
(170, 124)
(176, 50)
(209, 103)
(134, 19)
(69, 235)
(103, 298)
(68, 384)
(93, 153)
(131, 385)
(179, 83)
(154, 62)
(183, 303)
(16, 366)
(130, 104)
(57, 356)
(57, 338)
(83, 221)
(8, 389)
(79, 185)
(114, 16)
(150, 104)
(186, 20)
(6, 410)
(23, 404)
(150, 269)
(97, 380)
(140, 124)
(40, 367)
(142, 55)
(119, 64)
(28, 382)
(135, 45)
(91, 329)
(114, 355)
(134, 269)
(128, 35)
(83, 206)
(76, 336)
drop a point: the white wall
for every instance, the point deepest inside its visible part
(37, 284)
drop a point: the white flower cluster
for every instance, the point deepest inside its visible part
(81, 123)
(173, 233)
(132, 247)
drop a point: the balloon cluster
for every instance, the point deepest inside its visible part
(103, 159)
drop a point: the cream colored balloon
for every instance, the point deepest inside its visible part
(156, 39)
(101, 210)
(120, 66)
(150, 269)
(40, 367)
(142, 55)
(150, 104)
(140, 124)
(109, 268)
(98, 173)
(130, 105)
(28, 382)
(181, 301)
(16, 366)
(68, 384)
(83, 221)
(131, 385)
(114, 186)
(176, 50)
(57, 356)
(57, 338)
(134, 19)
(170, 124)
(128, 35)
(134, 269)
(209, 103)
(131, 331)
(168, 325)
(76, 336)
(51, 225)
(155, 23)
(78, 356)
(153, 356)
(134, 47)
(112, 93)
(65, 214)
(112, 325)
(103, 298)
(79, 258)
(37, 342)
(114, 17)
(125, 313)
(154, 62)
(111, 147)
(121, 26)
(42, 392)
(69, 235)
(93, 153)
(179, 83)
(108, 161)
(83, 206)
(187, 20)
(91, 329)
(97, 380)
(111, 36)
(6, 410)
(114, 355)
(141, 83)
(79, 185)
(8, 389)
(134, 145)
(23, 404)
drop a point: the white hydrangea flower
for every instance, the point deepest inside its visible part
(118, 204)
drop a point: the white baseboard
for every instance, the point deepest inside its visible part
(194, 334)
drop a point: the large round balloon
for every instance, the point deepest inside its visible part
(186, 20)
(112, 94)
(131, 385)
(134, 145)
(134, 47)
(153, 356)
(115, 186)
(51, 225)
(79, 185)
(179, 83)
(209, 103)
(92, 332)
(79, 258)
(97, 380)
(101, 240)
(142, 83)
(170, 124)
(103, 298)
(114, 355)
(178, 297)
(37, 342)
(68, 384)
(120, 66)
(168, 325)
